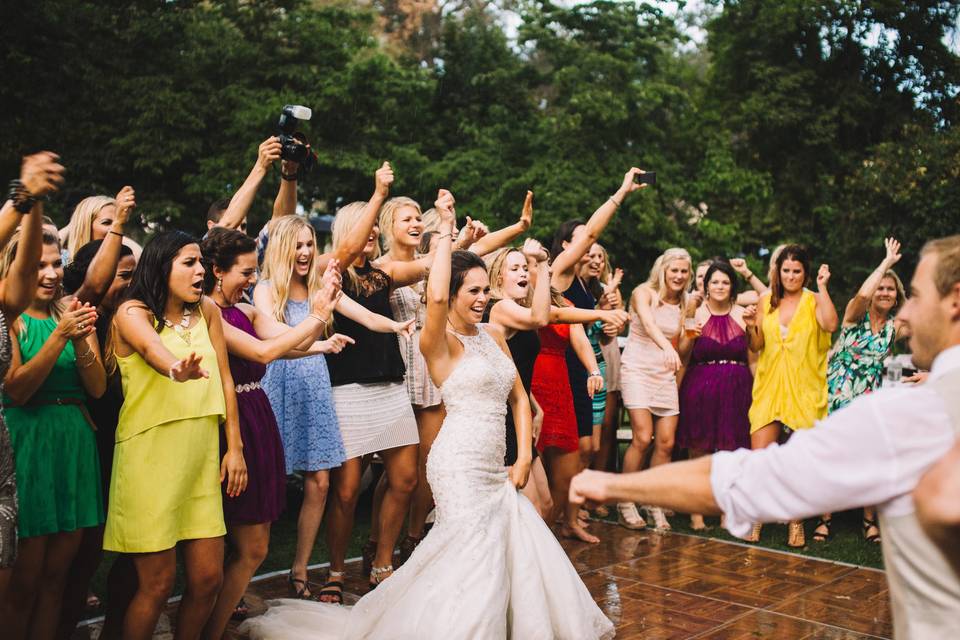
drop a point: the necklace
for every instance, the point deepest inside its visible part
(453, 330)
(182, 328)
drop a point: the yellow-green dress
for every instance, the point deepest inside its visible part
(790, 385)
(165, 485)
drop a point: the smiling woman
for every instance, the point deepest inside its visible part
(177, 387)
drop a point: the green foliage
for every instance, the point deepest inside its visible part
(830, 124)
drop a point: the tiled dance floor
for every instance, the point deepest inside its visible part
(671, 586)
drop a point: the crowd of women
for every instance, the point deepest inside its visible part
(158, 398)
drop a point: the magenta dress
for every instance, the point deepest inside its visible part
(716, 391)
(265, 496)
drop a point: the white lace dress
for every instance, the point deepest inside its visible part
(489, 568)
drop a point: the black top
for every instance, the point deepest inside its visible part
(105, 410)
(582, 404)
(524, 348)
(376, 356)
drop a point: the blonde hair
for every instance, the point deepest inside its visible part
(431, 220)
(6, 261)
(80, 227)
(497, 261)
(387, 214)
(658, 273)
(898, 285)
(347, 217)
(280, 258)
(947, 251)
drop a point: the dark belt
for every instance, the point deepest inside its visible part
(64, 402)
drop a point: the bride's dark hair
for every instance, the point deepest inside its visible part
(462, 262)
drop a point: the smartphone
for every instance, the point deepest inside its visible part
(647, 177)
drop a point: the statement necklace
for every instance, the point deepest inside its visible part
(182, 329)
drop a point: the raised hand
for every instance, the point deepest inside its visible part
(893, 256)
(268, 152)
(383, 179)
(526, 214)
(616, 317)
(126, 202)
(823, 276)
(78, 321)
(472, 231)
(740, 266)
(325, 300)
(750, 315)
(334, 344)
(533, 249)
(41, 173)
(445, 206)
(629, 181)
(188, 369)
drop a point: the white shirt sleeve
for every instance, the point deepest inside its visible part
(870, 453)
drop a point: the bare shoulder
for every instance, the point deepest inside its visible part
(209, 309)
(248, 310)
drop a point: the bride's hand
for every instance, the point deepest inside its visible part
(520, 472)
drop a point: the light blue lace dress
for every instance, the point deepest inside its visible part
(299, 392)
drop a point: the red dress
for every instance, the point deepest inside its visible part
(551, 388)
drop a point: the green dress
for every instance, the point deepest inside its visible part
(599, 403)
(55, 450)
(857, 365)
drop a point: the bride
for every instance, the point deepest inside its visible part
(489, 568)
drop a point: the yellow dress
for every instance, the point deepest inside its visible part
(791, 381)
(165, 485)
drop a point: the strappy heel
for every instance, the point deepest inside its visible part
(754, 533)
(302, 592)
(871, 537)
(825, 524)
(332, 588)
(628, 516)
(795, 537)
(377, 575)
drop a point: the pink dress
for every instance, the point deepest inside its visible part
(645, 380)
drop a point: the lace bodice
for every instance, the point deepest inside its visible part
(481, 380)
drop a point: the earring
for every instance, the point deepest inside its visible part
(220, 285)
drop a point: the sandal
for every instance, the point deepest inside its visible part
(332, 588)
(795, 537)
(367, 554)
(628, 516)
(871, 524)
(376, 575)
(754, 533)
(301, 592)
(818, 536)
(241, 611)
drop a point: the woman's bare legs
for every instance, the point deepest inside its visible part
(249, 543)
(316, 486)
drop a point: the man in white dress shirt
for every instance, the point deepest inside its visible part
(874, 451)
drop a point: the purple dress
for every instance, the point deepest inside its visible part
(265, 496)
(716, 391)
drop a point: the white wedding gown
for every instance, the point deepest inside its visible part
(489, 568)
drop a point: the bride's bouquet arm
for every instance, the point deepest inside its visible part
(434, 344)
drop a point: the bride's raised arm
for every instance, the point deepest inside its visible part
(434, 345)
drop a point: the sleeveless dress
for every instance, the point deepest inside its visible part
(8, 477)
(369, 391)
(166, 464)
(599, 401)
(489, 568)
(405, 304)
(611, 359)
(551, 388)
(645, 381)
(524, 348)
(266, 492)
(55, 450)
(302, 401)
(791, 381)
(716, 391)
(582, 403)
(857, 365)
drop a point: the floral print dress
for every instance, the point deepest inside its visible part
(857, 365)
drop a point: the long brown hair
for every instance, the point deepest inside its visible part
(790, 252)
